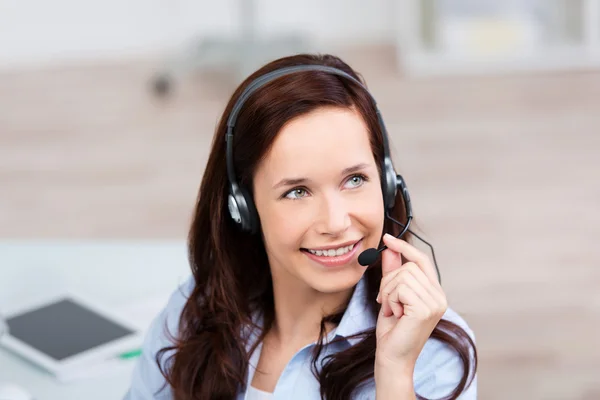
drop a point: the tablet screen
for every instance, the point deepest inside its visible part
(64, 328)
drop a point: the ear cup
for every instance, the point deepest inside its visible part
(242, 209)
(388, 183)
(251, 215)
(405, 195)
(234, 210)
(239, 209)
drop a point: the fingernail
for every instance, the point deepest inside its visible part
(378, 296)
(388, 236)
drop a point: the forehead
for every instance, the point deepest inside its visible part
(325, 140)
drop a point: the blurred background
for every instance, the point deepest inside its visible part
(107, 111)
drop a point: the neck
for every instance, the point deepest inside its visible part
(299, 310)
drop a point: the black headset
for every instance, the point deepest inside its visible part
(240, 203)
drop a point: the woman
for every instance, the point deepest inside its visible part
(282, 309)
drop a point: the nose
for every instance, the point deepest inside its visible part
(334, 219)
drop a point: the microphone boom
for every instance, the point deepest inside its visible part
(369, 256)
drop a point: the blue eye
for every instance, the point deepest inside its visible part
(295, 194)
(357, 180)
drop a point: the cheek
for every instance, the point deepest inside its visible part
(373, 218)
(284, 226)
(371, 207)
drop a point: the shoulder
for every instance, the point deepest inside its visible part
(439, 367)
(147, 380)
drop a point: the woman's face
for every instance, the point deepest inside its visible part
(318, 196)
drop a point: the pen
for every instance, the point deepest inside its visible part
(130, 354)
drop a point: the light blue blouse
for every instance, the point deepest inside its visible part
(437, 371)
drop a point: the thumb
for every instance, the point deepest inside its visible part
(390, 261)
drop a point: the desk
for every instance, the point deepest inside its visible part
(136, 277)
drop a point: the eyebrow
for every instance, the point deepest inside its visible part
(299, 181)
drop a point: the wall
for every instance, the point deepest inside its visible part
(34, 32)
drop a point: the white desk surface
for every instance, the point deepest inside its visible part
(136, 277)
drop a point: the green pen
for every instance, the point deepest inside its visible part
(130, 354)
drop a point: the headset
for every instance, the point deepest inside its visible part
(240, 203)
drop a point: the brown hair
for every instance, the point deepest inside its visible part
(210, 358)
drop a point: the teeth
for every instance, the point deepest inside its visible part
(332, 252)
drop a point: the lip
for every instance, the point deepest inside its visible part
(336, 261)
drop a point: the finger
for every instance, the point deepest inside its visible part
(410, 300)
(391, 260)
(405, 277)
(386, 308)
(385, 280)
(430, 302)
(384, 294)
(393, 275)
(413, 254)
(412, 268)
(436, 293)
(396, 307)
(389, 306)
(424, 303)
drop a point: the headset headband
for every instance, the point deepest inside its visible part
(271, 76)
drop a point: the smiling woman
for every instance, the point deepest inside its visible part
(325, 210)
(281, 308)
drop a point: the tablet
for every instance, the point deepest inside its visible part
(67, 332)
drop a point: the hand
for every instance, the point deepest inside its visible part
(412, 303)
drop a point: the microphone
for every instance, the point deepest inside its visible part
(369, 256)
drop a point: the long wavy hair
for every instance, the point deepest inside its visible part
(209, 357)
